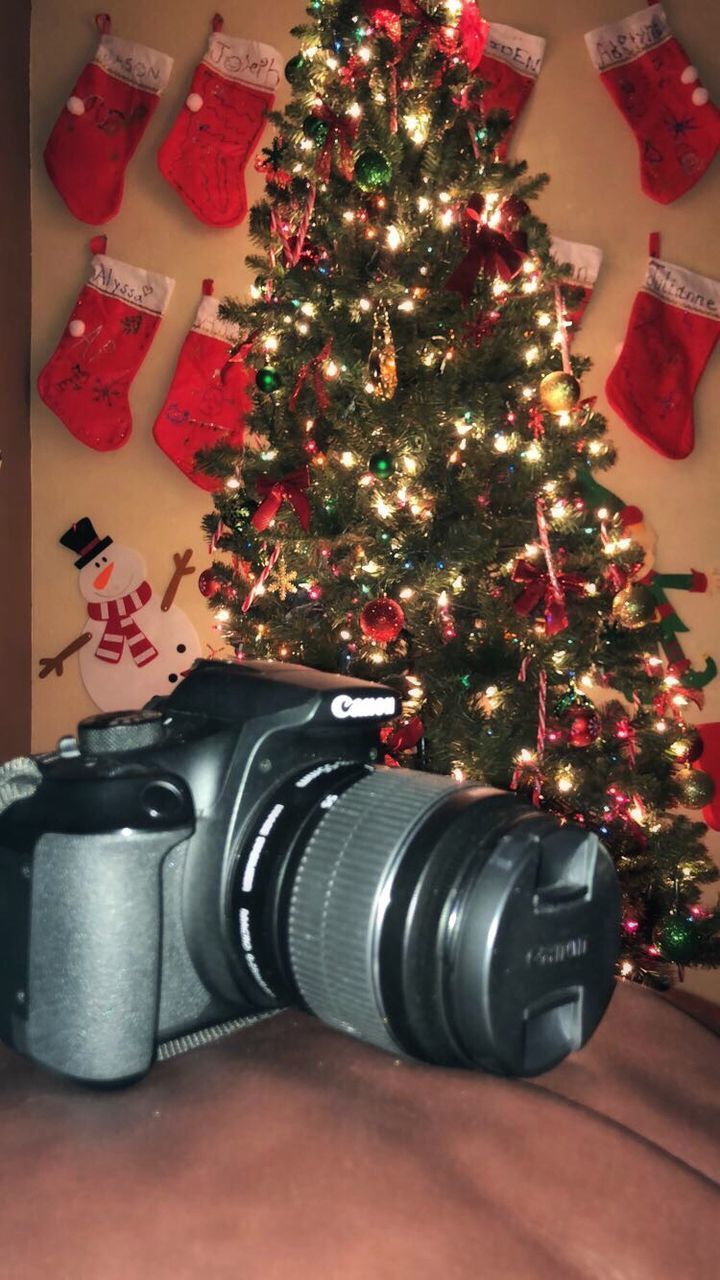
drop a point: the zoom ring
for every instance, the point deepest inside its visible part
(338, 897)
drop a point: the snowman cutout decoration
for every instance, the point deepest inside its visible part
(136, 644)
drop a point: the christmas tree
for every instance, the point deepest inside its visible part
(418, 506)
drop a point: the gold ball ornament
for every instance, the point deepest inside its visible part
(634, 606)
(696, 788)
(559, 392)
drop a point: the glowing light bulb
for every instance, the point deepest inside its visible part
(232, 483)
(501, 443)
(347, 459)
(331, 369)
(423, 204)
(393, 238)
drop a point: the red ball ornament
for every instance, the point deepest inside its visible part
(207, 583)
(382, 620)
(584, 729)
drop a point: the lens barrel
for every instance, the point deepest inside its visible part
(453, 924)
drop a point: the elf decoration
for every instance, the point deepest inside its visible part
(102, 124)
(87, 378)
(136, 644)
(205, 154)
(641, 591)
(649, 77)
(673, 327)
(208, 397)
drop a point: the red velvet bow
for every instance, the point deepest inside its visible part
(538, 587)
(313, 367)
(489, 251)
(343, 131)
(291, 488)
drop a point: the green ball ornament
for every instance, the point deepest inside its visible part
(373, 170)
(677, 939)
(634, 607)
(696, 788)
(316, 130)
(294, 67)
(267, 379)
(382, 464)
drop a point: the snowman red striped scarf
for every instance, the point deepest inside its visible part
(120, 627)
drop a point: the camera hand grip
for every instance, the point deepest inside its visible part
(94, 973)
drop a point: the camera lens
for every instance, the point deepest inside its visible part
(448, 923)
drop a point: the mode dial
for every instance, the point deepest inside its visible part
(120, 731)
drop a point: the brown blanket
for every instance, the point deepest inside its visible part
(289, 1151)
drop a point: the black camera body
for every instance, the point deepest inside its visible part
(234, 848)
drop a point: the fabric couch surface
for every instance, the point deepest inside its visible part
(290, 1151)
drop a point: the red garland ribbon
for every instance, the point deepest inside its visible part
(538, 587)
(343, 131)
(313, 367)
(616, 578)
(471, 33)
(291, 488)
(626, 733)
(663, 704)
(489, 251)
(403, 736)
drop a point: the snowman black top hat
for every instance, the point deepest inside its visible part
(83, 540)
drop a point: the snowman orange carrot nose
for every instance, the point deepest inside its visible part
(104, 576)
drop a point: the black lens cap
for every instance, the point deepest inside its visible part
(531, 947)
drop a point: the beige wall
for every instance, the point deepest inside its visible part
(571, 129)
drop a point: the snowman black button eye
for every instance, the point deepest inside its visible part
(181, 648)
(173, 678)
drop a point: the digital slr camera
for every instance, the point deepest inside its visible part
(234, 848)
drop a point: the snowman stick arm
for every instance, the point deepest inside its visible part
(56, 664)
(183, 569)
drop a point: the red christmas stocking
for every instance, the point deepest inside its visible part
(709, 762)
(649, 77)
(102, 123)
(509, 67)
(673, 327)
(112, 324)
(208, 397)
(205, 153)
(584, 261)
